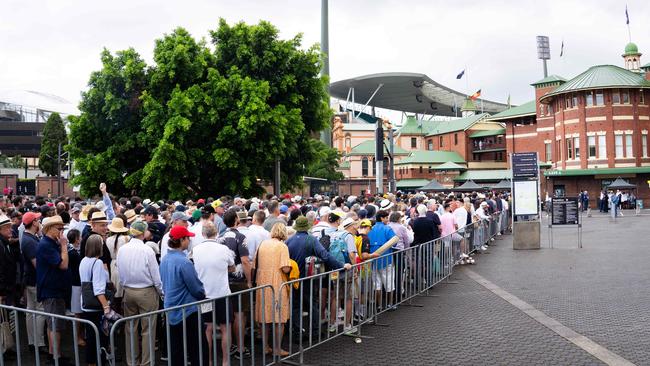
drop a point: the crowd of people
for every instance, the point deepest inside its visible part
(124, 257)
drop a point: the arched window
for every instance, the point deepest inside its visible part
(348, 141)
(364, 166)
(385, 168)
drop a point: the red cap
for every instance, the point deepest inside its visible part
(201, 200)
(178, 232)
(29, 217)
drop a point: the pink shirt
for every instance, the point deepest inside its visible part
(448, 222)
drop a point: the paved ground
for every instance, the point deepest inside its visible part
(599, 291)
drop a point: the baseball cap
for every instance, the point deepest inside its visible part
(365, 223)
(284, 209)
(29, 217)
(178, 232)
(179, 216)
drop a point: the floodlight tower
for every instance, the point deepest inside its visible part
(543, 51)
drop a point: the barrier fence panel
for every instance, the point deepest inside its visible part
(227, 330)
(63, 341)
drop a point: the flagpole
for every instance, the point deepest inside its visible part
(627, 21)
(467, 79)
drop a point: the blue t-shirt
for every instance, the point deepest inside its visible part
(181, 284)
(51, 281)
(378, 236)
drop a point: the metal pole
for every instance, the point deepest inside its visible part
(391, 148)
(545, 68)
(276, 183)
(58, 169)
(326, 134)
(379, 157)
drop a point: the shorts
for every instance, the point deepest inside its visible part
(56, 307)
(344, 284)
(221, 316)
(75, 300)
(384, 277)
(245, 297)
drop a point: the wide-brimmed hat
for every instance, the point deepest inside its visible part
(48, 222)
(98, 218)
(301, 224)
(385, 205)
(83, 216)
(117, 226)
(138, 228)
(130, 216)
(4, 220)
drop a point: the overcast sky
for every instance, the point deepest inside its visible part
(53, 46)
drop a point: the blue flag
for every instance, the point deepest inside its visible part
(627, 17)
(459, 76)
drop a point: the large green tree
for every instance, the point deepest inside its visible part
(208, 121)
(104, 138)
(53, 135)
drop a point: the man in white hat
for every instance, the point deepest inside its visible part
(9, 259)
(140, 278)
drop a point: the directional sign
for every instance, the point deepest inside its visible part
(524, 165)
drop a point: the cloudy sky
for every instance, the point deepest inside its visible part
(53, 45)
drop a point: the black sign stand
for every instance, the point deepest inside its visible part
(565, 211)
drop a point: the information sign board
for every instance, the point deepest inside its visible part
(565, 211)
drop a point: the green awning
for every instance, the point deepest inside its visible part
(450, 165)
(411, 183)
(490, 150)
(600, 171)
(484, 175)
(486, 133)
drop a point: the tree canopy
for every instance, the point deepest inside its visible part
(204, 119)
(53, 135)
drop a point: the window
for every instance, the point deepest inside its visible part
(567, 102)
(414, 142)
(541, 110)
(499, 140)
(374, 167)
(558, 150)
(550, 109)
(430, 145)
(499, 156)
(440, 141)
(569, 148)
(576, 147)
(644, 144)
(625, 97)
(602, 147)
(547, 151)
(477, 157)
(348, 142)
(455, 139)
(574, 101)
(641, 97)
(430, 170)
(618, 142)
(599, 97)
(591, 141)
(616, 96)
(589, 98)
(628, 146)
(420, 168)
(385, 167)
(364, 167)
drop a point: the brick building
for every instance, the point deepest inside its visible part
(588, 130)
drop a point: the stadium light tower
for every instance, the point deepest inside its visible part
(543, 51)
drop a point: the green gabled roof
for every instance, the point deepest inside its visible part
(411, 183)
(431, 157)
(412, 126)
(526, 109)
(368, 148)
(484, 175)
(602, 77)
(646, 66)
(599, 171)
(549, 79)
(485, 133)
(442, 127)
(450, 165)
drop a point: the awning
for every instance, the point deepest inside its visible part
(468, 186)
(433, 186)
(411, 183)
(504, 184)
(619, 183)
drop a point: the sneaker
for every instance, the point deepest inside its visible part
(491, 239)
(245, 354)
(484, 248)
(164, 358)
(460, 262)
(332, 328)
(463, 255)
(349, 329)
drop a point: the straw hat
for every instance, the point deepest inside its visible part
(98, 218)
(83, 216)
(130, 216)
(51, 221)
(116, 226)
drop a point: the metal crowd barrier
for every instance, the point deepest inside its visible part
(63, 347)
(321, 307)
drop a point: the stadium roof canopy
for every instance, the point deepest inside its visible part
(38, 100)
(406, 92)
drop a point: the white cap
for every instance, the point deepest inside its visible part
(101, 206)
(324, 211)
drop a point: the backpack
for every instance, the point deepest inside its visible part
(324, 240)
(338, 248)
